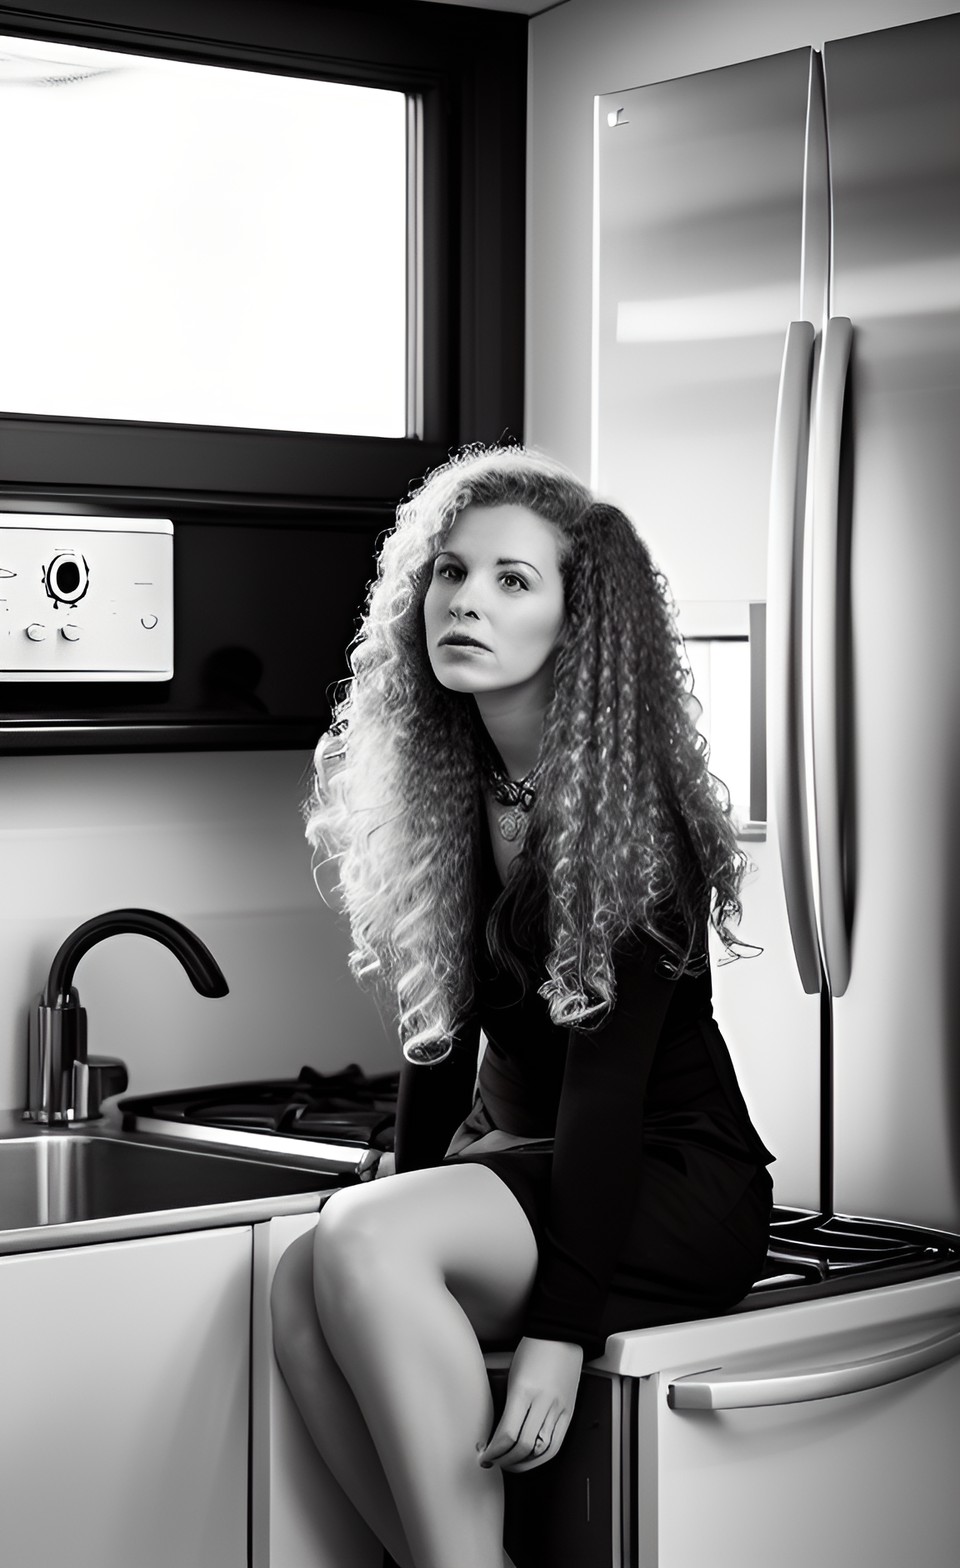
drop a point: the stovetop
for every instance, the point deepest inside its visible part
(342, 1121)
(334, 1119)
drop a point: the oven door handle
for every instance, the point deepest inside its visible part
(718, 1390)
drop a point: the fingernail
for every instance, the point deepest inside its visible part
(485, 1464)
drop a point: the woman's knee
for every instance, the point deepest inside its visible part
(460, 1230)
(410, 1221)
(353, 1244)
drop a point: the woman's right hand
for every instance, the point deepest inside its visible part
(373, 1165)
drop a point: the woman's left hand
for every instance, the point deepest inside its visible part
(541, 1394)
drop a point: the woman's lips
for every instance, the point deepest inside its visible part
(465, 645)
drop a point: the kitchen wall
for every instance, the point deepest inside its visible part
(579, 49)
(214, 839)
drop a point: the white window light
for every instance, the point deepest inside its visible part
(195, 244)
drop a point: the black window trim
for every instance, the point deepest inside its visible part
(469, 69)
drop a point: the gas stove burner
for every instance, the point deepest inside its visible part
(346, 1105)
(336, 1116)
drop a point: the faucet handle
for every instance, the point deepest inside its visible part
(94, 1081)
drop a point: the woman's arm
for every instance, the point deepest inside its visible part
(598, 1147)
(433, 1101)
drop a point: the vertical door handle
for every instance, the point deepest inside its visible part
(827, 621)
(784, 645)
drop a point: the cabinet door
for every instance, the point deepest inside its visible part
(298, 1512)
(125, 1412)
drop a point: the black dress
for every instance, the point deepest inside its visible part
(651, 1203)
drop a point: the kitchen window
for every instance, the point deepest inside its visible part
(728, 670)
(348, 328)
(238, 256)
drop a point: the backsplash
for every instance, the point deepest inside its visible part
(215, 840)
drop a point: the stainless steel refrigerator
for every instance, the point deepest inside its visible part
(777, 405)
(779, 290)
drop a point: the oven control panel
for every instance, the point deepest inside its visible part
(85, 598)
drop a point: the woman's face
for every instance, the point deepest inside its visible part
(494, 609)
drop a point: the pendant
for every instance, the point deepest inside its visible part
(513, 824)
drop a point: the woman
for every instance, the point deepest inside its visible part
(529, 842)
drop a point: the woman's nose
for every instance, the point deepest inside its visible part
(463, 601)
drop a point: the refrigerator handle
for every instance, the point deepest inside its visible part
(717, 1390)
(826, 651)
(784, 653)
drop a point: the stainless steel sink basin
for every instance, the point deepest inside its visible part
(76, 1178)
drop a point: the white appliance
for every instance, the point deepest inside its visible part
(85, 598)
(778, 282)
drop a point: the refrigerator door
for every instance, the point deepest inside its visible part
(894, 136)
(699, 224)
(711, 239)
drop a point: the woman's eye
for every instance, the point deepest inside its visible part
(511, 577)
(447, 569)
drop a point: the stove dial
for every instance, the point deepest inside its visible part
(70, 632)
(67, 577)
(36, 632)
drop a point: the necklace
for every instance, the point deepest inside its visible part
(518, 795)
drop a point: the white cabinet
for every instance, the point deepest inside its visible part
(124, 1419)
(299, 1518)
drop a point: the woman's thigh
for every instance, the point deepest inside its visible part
(458, 1225)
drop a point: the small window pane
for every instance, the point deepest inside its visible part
(200, 245)
(721, 684)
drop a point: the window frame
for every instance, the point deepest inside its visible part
(468, 70)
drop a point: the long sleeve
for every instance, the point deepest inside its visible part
(433, 1101)
(597, 1155)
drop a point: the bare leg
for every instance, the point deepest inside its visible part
(410, 1274)
(325, 1400)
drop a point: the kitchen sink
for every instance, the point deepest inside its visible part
(76, 1178)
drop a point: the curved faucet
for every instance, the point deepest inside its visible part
(63, 1083)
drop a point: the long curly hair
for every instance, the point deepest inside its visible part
(631, 832)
